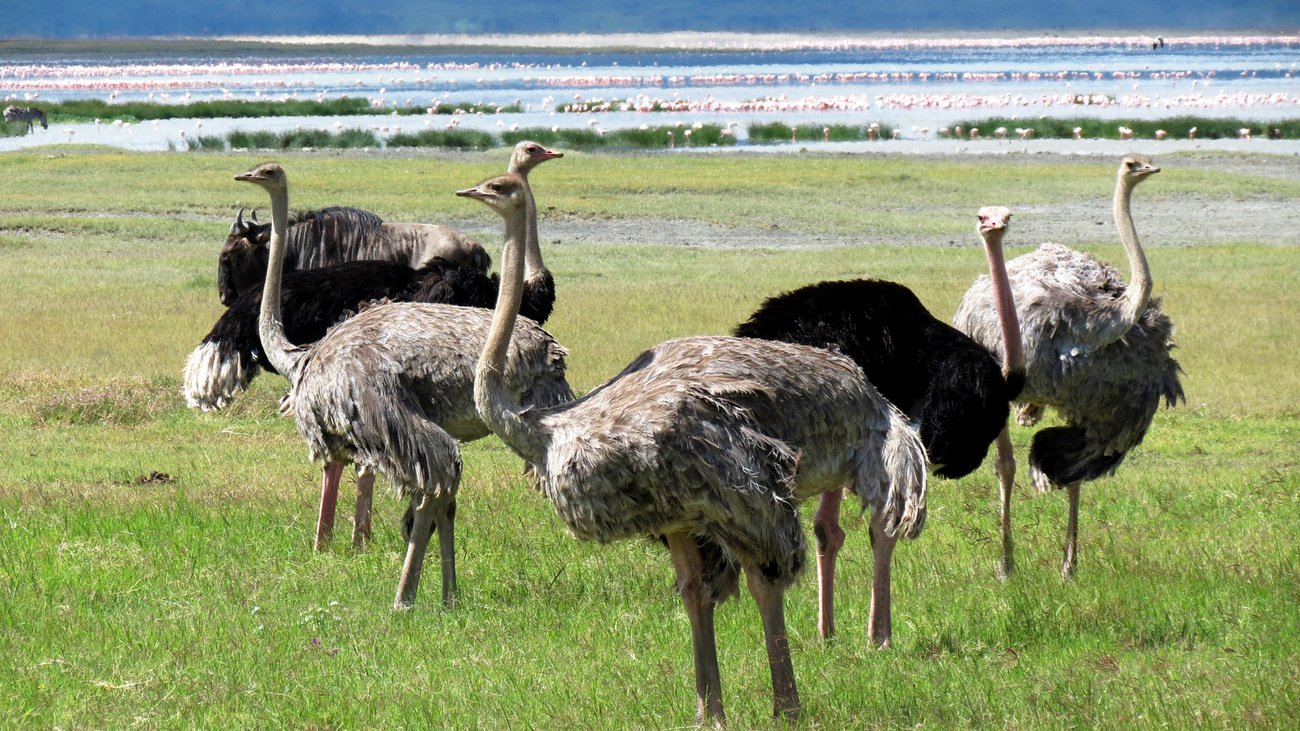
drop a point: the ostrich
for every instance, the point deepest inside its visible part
(231, 355)
(337, 235)
(708, 443)
(948, 384)
(1096, 349)
(390, 390)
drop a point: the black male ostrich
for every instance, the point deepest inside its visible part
(952, 388)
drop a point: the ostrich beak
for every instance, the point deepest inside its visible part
(251, 176)
(478, 193)
(550, 155)
(1149, 170)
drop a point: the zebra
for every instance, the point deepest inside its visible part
(26, 114)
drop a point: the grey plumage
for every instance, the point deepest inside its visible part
(391, 390)
(711, 443)
(1096, 349)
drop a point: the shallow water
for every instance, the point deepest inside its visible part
(914, 85)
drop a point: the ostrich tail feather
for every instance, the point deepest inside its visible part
(214, 374)
(905, 465)
(1061, 455)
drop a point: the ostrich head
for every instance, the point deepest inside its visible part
(529, 154)
(503, 194)
(1135, 168)
(269, 175)
(992, 218)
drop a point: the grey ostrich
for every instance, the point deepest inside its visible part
(1096, 350)
(391, 390)
(709, 443)
(540, 285)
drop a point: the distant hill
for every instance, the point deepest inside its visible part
(139, 18)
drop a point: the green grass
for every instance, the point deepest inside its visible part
(155, 563)
(1177, 127)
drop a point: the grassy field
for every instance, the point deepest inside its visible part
(155, 562)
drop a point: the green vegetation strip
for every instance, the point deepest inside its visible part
(465, 139)
(88, 110)
(1213, 128)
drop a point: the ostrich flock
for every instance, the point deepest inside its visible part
(398, 346)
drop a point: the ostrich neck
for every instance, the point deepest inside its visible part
(1138, 294)
(270, 324)
(1014, 354)
(496, 406)
(533, 265)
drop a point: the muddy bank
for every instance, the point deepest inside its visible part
(1173, 220)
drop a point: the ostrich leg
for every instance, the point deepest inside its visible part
(1071, 533)
(365, 497)
(689, 565)
(445, 521)
(417, 540)
(1004, 464)
(329, 497)
(882, 546)
(830, 538)
(769, 597)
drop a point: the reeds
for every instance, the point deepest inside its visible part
(1212, 128)
(774, 132)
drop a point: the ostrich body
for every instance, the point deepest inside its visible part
(391, 390)
(949, 385)
(1096, 350)
(230, 355)
(334, 236)
(710, 443)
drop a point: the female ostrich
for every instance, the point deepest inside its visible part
(942, 379)
(709, 443)
(390, 390)
(230, 355)
(1096, 349)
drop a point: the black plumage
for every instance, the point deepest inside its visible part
(948, 384)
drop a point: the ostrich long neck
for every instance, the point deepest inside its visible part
(1014, 354)
(496, 406)
(1138, 294)
(270, 324)
(533, 265)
